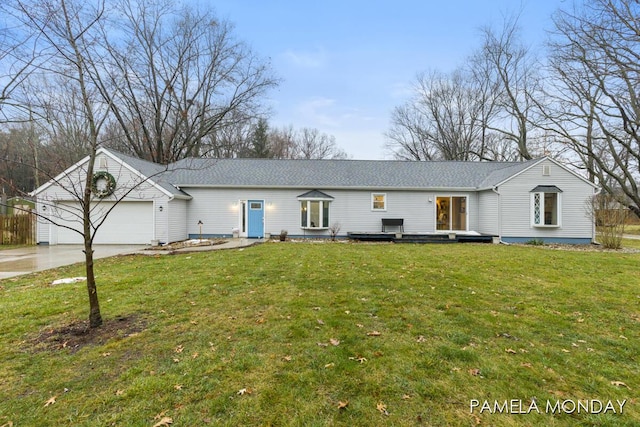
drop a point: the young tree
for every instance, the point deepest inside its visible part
(77, 90)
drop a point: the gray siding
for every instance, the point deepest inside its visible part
(516, 204)
(177, 221)
(487, 215)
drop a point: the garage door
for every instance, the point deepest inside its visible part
(127, 223)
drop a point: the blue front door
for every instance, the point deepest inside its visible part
(255, 215)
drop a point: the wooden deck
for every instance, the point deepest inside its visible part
(421, 237)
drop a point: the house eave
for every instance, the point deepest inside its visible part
(332, 187)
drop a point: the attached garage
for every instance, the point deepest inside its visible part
(128, 223)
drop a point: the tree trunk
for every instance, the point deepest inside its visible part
(95, 318)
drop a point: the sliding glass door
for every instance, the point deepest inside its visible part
(451, 213)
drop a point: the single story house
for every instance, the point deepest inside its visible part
(514, 201)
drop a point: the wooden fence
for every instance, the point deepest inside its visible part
(18, 229)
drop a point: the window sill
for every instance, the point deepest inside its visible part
(545, 226)
(315, 228)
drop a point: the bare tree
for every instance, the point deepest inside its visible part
(511, 69)
(312, 144)
(68, 30)
(447, 118)
(283, 142)
(177, 76)
(595, 56)
(305, 143)
(408, 137)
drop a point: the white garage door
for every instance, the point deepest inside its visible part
(127, 223)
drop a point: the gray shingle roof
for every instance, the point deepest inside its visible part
(155, 172)
(324, 174)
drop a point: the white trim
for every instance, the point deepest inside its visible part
(435, 213)
(321, 214)
(373, 208)
(533, 214)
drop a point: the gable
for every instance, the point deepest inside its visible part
(546, 165)
(130, 182)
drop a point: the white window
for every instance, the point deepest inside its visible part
(378, 201)
(546, 206)
(314, 210)
(314, 214)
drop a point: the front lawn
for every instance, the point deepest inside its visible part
(328, 334)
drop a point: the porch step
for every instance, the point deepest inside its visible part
(419, 238)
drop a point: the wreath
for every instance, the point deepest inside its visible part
(109, 186)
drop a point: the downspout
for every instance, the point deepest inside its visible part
(499, 203)
(593, 217)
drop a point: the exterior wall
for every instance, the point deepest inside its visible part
(219, 210)
(71, 183)
(576, 224)
(488, 218)
(176, 221)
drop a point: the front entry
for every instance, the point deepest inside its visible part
(255, 222)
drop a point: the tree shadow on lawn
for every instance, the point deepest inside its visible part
(78, 334)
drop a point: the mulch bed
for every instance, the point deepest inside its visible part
(187, 244)
(76, 335)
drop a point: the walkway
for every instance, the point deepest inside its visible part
(29, 259)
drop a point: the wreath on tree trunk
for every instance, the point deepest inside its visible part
(105, 189)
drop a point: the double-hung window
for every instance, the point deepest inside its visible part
(314, 210)
(378, 201)
(546, 206)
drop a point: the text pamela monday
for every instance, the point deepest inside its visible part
(567, 406)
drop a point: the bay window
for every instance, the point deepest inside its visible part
(545, 206)
(314, 210)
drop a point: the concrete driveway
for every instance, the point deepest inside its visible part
(14, 262)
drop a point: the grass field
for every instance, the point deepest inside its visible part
(328, 334)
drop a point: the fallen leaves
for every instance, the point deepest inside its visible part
(334, 341)
(51, 401)
(244, 391)
(620, 384)
(164, 422)
(343, 405)
(373, 334)
(477, 419)
(382, 408)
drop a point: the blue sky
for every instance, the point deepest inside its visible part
(346, 64)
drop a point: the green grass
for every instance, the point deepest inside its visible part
(632, 229)
(455, 323)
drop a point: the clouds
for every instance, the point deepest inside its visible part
(306, 59)
(346, 65)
